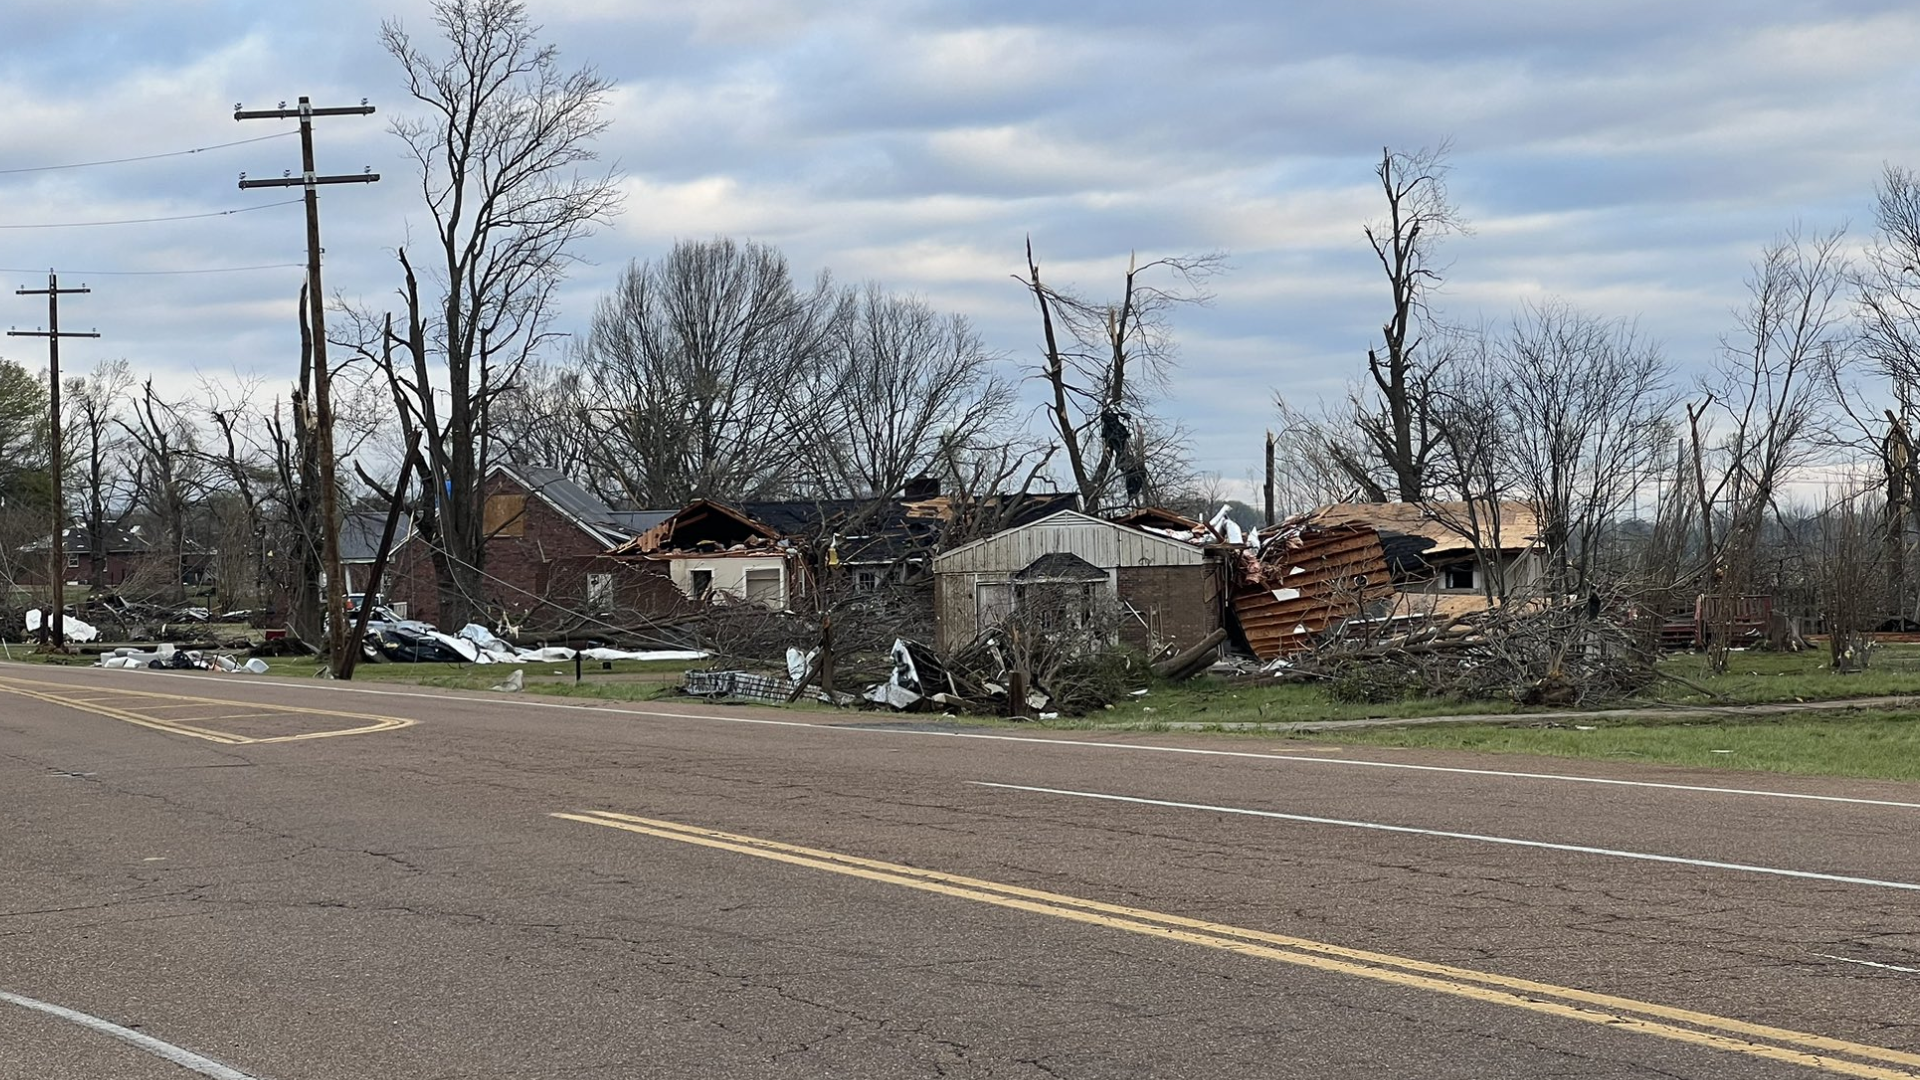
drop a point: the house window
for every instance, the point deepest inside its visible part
(702, 584)
(600, 592)
(73, 559)
(866, 580)
(763, 587)
(1461, 577)
(505, 515)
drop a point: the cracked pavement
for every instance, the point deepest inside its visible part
(401, 904)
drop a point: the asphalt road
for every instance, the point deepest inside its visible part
(286, 881)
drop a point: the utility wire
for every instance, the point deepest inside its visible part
(160, 273)
(145, 221)
(146, 157)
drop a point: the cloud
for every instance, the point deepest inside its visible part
(1631, 158)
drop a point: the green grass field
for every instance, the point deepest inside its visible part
(1880, 745)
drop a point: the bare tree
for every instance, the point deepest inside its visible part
(1105, 363)
(93, 403)
(1887, 286)
(1311, 454)
(541, 419)
(904, 378)
(989, 481)
(704, 373)
(1764, 407)
(501, 136)
(168, 477)
(1589, 410)
(1392, 410)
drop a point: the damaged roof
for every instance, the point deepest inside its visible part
(573, 501)
(1448, 527)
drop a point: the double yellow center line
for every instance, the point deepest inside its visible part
(1833, 1055)
(142, 706)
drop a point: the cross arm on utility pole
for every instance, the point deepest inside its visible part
(284, 113)
(306, 181)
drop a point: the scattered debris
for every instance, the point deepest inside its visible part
(515, 682)
(75, 629)
(165, 657)
(746, 685)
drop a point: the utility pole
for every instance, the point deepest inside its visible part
(53, 626)
(322, 374)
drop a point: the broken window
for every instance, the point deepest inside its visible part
(600, 591)
(1461, 577)
(702, 584)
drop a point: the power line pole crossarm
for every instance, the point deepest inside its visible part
(322, 374)
(53, 625)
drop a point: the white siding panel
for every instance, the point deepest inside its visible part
(1101, 543)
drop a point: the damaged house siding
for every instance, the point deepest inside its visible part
(754, 579)
(1383, 563)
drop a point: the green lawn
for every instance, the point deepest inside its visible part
(1881, 745)
(1754, 677)
(625, 680)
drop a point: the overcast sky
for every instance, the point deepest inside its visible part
(1630, 157)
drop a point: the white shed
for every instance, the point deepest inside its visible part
(1169, 592)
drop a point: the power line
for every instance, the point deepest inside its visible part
(162, 273)
(144, 157)
(146, 221)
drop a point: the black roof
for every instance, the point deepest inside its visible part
(360, 534)
(1060, 566)
(575, 501)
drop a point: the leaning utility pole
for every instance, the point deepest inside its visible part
(53, 627)
(322, 375)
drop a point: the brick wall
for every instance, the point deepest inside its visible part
(1180, 605)
(521, 558)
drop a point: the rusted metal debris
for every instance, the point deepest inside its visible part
(1306, 581)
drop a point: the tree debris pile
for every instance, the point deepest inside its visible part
(1053, 656)
(1531, 654)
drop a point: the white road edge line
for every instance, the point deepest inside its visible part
(1867, 963)
(1581, 849)
(1083, 744)
(180, 1056)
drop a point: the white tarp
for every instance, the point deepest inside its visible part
(645, 654)
(74, 629)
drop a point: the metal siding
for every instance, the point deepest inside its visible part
(1328, 575)
(1100, 543)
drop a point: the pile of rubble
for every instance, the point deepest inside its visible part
(391, 639)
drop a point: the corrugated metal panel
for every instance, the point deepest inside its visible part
(1101, 543)
(1321, 578)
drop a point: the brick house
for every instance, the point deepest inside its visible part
(132, 561)
(546, 565)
